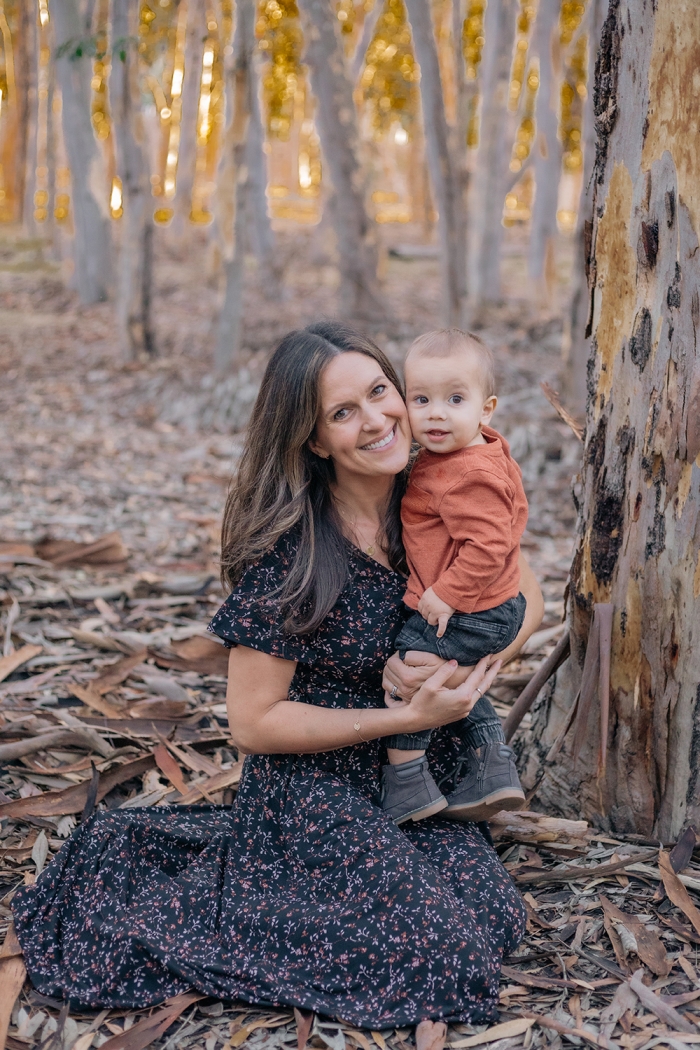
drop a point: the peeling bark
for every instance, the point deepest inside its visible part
(444, 174)
(91, 243)
(337, 124)
(639, 492)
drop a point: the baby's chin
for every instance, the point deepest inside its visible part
(450, 444)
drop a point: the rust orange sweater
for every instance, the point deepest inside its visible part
(463, 515)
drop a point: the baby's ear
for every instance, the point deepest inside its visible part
(488, 409)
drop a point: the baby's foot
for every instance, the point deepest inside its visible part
(409, 791)
(486, 784)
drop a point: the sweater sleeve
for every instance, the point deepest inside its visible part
(477, 513)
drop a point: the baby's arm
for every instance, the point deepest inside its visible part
(435, 611)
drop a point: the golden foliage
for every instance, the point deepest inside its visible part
(279, 31)
(390, 77)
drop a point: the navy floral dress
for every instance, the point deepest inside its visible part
(303, 892)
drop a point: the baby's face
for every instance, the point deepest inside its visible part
(446, 402)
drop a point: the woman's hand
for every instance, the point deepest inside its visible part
(406, 677)
(435, 704)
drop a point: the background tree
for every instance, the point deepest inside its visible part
(337, 122)
(91, 244)
(135, 279)
(639, 491)
(491, 163)
(547, 147)
(443, 166)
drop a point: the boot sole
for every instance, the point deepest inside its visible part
(485, 808)
(424, 811)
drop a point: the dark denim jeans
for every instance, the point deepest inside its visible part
(469, 637)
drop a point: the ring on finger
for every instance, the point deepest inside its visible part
(394, 692)
(479, 692)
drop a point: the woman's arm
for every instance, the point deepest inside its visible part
(263, 721)
(408, 676)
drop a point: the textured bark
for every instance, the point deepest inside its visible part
(136, 250)
(577, 341)
(91, 243)
(465, 92)
(230, 327)
(639, 491)
(187, 154)
(491, 172)
(337, 124)
(444, 175)
(547, 148)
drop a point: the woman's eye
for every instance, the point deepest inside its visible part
(340, 414)
(379, 389)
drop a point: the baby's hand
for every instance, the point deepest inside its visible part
(435, 611)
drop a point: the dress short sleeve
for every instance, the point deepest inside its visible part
(249, 617)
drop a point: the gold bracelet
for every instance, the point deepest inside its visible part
(357, 728)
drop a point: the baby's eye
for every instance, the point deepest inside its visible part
(456, 399)
(421, 399)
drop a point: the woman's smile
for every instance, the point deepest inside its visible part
(381, 443)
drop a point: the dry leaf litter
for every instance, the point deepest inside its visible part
(112, 695)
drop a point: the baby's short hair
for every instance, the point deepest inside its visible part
(446, 341)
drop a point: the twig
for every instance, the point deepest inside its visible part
(553, 398)
(542, 675)
(582, 1033)
(572, 873)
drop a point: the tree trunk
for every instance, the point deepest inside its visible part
(26, 74)
(230, 327)
(191, 86)
(443, 169)
(465, 91)
(263, 238)
(639, 492)
(577, 342)
(491, 169)
(547, 148)
(369, 27)
(91, 243)
(136, 251)
(337, 122)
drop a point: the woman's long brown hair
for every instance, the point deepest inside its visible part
(282, 485)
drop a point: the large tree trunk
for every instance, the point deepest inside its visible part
(639, 492)
(577, 342)
(491, 170)
(442, 165)
(337, 122)
(547, 148)
(191, 86)
(26, 68)
(238, 96)
(136, 251)
(91, 242)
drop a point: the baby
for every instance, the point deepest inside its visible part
(463, 515)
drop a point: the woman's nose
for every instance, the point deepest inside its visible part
(374, 418)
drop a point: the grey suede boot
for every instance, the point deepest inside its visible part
(409, 791)
(486, 784)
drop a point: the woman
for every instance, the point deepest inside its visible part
(304, 892)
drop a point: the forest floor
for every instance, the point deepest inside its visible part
(113, 481)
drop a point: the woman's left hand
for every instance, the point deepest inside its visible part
(404, 678)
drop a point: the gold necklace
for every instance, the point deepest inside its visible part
(353, 525)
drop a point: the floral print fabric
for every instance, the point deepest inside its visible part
(303, 892)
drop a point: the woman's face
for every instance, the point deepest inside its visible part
(363, 423)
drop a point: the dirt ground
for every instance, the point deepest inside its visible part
(93, 445)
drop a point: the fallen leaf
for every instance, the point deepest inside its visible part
(431, 1035)
(168, 766)
(152, 1027)
(104, 551)
(13, 661)
(40, 851)
(194, 654)
(12, 975)
(677, 893)
(653, 1002)
(499, 1031)
(648, 945)
(73, 799)
(158, 707)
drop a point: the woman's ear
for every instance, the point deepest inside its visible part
(317, 449)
